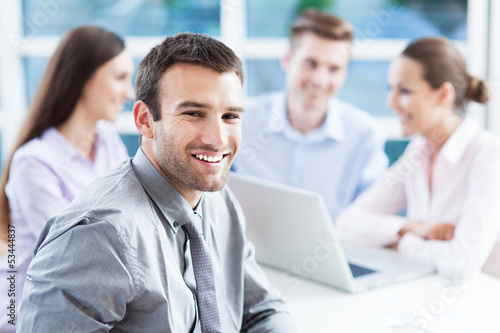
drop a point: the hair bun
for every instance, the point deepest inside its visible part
(478, 90)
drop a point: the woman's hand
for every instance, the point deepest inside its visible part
(440, 231)
(418, 228)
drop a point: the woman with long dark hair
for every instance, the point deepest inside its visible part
(67, 140)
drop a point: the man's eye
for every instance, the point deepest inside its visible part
(192, 113)
(311, 63)
(230, 116)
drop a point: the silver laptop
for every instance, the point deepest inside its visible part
(292, 231)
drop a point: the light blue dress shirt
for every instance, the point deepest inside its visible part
(340, 159)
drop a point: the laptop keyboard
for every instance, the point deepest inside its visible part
(359, 271)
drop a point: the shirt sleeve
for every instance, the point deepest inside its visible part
(477, 227)
(37, 191)
(89, 290)
(263, 310)
(371, 218)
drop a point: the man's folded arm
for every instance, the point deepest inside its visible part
(79, 280)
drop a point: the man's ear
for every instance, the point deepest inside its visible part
(143, 119)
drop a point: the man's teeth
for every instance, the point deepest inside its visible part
(212, 159)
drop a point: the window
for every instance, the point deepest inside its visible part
(383, 28)
(371, 18)
(256, 29)
(127, 18)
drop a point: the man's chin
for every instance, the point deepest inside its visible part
(212, 188)
(212, 185)
(317, 104)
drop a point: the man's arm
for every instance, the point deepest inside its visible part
(263, 310)
(79, 280)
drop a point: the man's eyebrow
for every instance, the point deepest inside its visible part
(237, 109)
(192, 104)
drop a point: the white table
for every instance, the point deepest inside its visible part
(420, 305)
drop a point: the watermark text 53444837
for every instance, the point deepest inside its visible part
(11, 275)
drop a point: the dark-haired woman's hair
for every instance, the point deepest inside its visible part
(79, 54)
(442, 62)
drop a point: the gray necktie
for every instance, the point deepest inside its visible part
(204, 276)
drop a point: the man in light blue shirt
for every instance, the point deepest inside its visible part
(305, 136)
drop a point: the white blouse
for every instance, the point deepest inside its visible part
(465, 192)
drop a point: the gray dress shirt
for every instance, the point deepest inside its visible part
(117, 259)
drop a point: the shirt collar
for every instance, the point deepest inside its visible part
(459, 140)
(333, 121)
(330, 128)
(101, 128)
(173, 206)
(52, 134)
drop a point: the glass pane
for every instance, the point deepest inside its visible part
(131, 141)
(34, 68)
(394, 149)
(132, 17)
(263, 76)
(371, 18)
(365, 87)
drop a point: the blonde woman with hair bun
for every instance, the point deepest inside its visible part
(447, 179)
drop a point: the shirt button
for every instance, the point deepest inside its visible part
(176, 224)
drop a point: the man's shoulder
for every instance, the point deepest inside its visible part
(263, 102)
(223, 199)
(357, 120)
(224, 204)
(258, 111)
(352, 112)
(110, 197)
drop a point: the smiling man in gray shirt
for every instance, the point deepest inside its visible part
(158, 244)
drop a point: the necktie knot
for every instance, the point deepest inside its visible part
(194, 227)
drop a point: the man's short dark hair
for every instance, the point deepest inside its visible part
(322, 24)
(184, 48)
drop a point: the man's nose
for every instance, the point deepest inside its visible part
(320, 76)
(214, 133)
